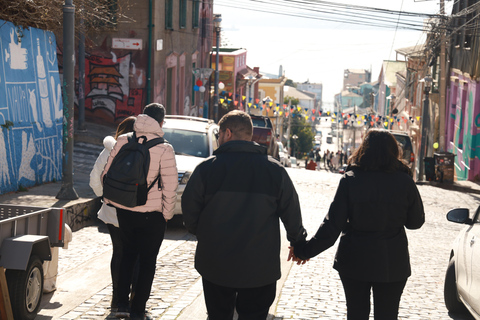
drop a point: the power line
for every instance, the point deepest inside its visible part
(333, 12)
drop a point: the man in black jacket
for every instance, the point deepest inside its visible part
(233, 203)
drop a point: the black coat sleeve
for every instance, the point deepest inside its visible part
(416, 214)
(193, 200)
(289, 211)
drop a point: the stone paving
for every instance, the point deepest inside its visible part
(311, 291)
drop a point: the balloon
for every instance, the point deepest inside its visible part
(201, 89)
(195, 88)
(435, 145)
(199, 83)
(221, 85)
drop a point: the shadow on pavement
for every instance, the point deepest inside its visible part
(461, 316)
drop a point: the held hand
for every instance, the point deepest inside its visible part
(291, 256)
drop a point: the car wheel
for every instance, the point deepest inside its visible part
(450, 292)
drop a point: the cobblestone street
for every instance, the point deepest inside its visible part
(311, 291)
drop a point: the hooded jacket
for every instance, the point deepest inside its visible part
(106, 213)
(162, 197)
(233, 203)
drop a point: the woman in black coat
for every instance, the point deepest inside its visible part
(374, 203)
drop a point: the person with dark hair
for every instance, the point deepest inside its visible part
(233, 203)
(108, 214)
(374, 203)
(142, 227)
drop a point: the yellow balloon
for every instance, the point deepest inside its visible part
(435, 145)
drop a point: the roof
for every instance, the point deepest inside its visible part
(294, 93)
(414, 51)
(187, 123)
(346, 93)
(390, 69)
(356, 70)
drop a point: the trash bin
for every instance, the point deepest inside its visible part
(429, 168)
(444, 168)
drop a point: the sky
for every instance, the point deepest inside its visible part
(315, 49)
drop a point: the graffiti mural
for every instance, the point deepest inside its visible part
(30, 108)
(463, 124)
(107, 86)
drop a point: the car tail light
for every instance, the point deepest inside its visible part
(412, 157)
(269, 135)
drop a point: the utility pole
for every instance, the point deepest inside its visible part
(67, 192)
(443, 79)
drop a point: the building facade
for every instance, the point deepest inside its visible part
(158, 56)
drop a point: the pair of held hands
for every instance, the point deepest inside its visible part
(291, 256)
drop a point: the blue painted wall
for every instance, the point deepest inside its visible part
(31, 108)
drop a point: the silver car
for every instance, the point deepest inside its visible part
(462, 278)
(193, 140)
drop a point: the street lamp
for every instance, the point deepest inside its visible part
(294, 137)
(217, 23)
(425, 124)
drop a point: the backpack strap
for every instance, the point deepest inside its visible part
(149, 144)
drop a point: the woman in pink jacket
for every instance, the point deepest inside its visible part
(142, 228)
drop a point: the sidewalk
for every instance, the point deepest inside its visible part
(79, 211)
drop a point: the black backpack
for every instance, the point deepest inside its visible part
(125, 182)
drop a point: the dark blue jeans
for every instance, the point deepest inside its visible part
(141, 234)
(386, 298)
(251, 303)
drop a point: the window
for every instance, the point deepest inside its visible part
(169, 90)
(187, 142)
(195, 13)
(169, 14)
(183, 14)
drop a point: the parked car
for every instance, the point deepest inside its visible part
(406, 144)
(284, 156)
(329, 138)
(462, 278)
(194, 140)
(264, 134)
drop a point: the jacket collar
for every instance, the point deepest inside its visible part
(241, 146)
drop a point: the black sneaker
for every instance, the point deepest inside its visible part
(122, 313)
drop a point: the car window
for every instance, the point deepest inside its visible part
(187, 142)
(258, 122)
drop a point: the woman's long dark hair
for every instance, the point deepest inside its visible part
(379, 151)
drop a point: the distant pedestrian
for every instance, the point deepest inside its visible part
(233, 203)
(311, 165)
(108, 214)
(374, 203)
(318, 157)
(142, 228)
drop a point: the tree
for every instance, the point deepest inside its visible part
(292, 101)
(290, 83)
(46, 14)
(303, 131)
